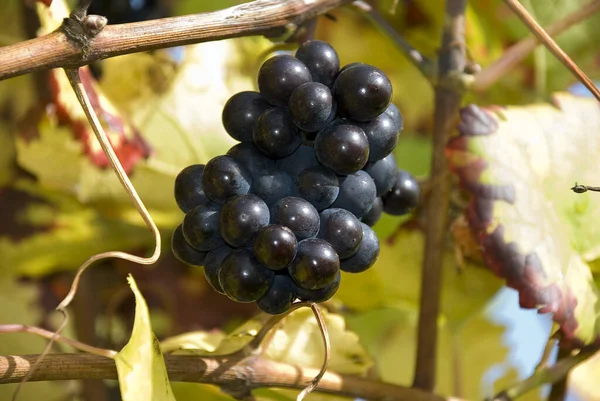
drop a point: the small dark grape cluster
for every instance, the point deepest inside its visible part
(278, 216)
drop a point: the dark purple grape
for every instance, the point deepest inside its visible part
(374, 214)
(250, 157)
(342, 230)
(275, 246)
(225, 177)
(302, 158)
(321, 59)
(403, 197)
(241, 218)
(279, 297)
(201, 227)
(367, 253)
(311, 106)
(382, 134)
(241, 112)
(350, 65)
(316, 264)
(279, 76)
(343, 148)
(243, 278)
(357, 193)
(362, 92)
(212, 265)
(188, 188)
(384, 173)
(272, 185)
(320, 295)
(275, 134)
(394, 112)
(319, 186)
(298, 215)
(183, 251)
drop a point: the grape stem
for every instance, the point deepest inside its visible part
(552, 46)
(424, 64)
(62, 48)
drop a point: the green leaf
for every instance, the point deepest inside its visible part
(519, 164)
(297, 340)
(392, 280)
(140, 364)
(49, 231)
(19, 306)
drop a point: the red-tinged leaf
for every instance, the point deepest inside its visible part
(46, 2)
(519, 163)
(127, 142)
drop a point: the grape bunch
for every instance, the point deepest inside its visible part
(285, 210)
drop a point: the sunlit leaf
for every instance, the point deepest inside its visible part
(583, 379)
(44, 231)
(519, 164)
(140, 364)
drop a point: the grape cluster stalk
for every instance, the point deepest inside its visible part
(281, 214)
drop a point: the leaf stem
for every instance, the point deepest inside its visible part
(449, 90)
(516, 53)
(551, 374)
(552, 46)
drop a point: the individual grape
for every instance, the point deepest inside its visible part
(275, 246)
(271, 185)
(298, 215)
(342, 230)
(275, 134)
(311, 106)
(279, 76)
(188, 188)
(321, 59)
(212, 265)
(241, 112)
(384, 173)
(250, 157)
(122, 11)
(320, 295)
(350, 65)
(374, 214)
(319, 186)
(382, 134)
(357, 193)
(302, 158)
(362, 92)
(225, 177)
(243, 278)
(394, 112)
(366, 255)
(316, 264)
(183, 251)
(201, 227)
(279, 297)
(403, 197)
(342, 148)
(241, 218)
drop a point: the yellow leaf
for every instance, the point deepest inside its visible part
(140, 364)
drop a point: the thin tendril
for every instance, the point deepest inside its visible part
(75, 81)
(327, 344)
